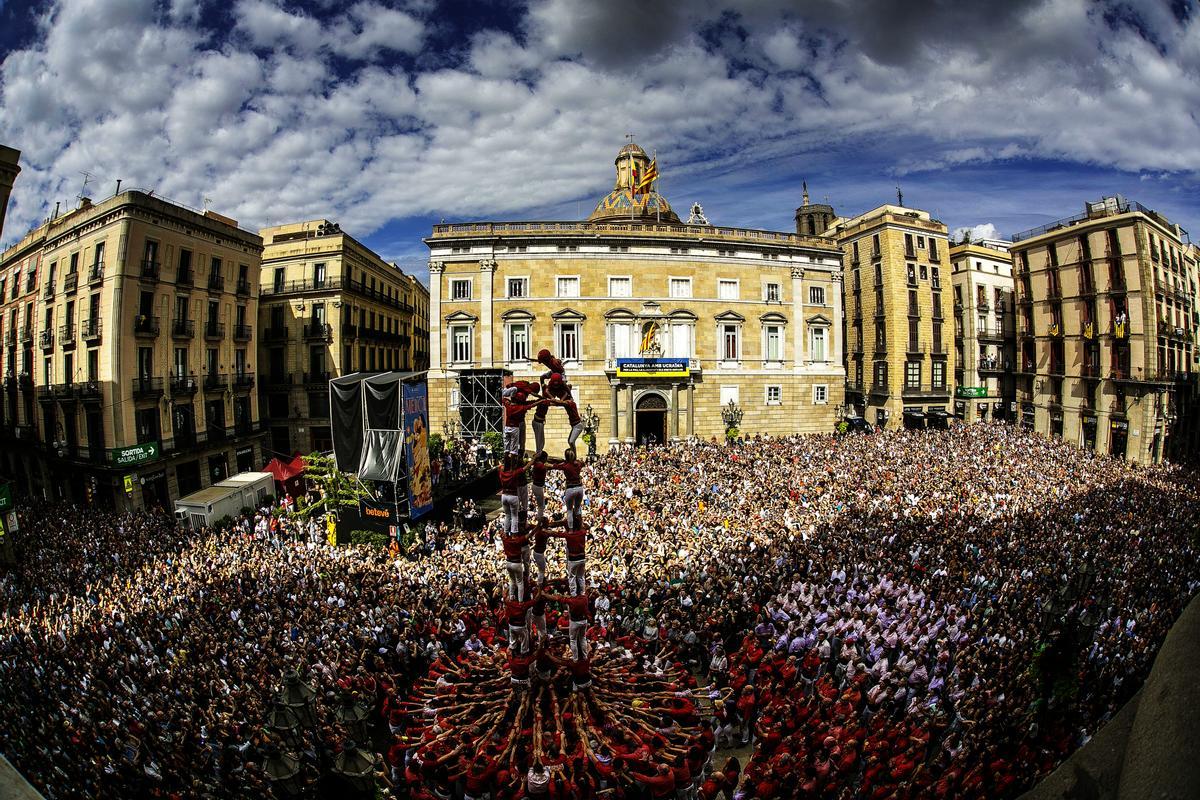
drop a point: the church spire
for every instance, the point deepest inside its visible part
(805, 185)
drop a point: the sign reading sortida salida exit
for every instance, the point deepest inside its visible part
(134, 454)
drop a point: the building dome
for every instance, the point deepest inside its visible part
(622, 203)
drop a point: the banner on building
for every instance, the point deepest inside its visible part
(652, 368)
(382, 513)
(416, 437)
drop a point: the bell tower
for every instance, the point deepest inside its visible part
(813, 220)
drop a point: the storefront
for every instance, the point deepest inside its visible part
(1027, 416)
(1088, 432)
(914, 418)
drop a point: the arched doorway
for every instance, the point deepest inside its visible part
(650, 422)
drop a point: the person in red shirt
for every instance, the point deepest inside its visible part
(512, 475)
(518, 627)
(572, 470)
(557, 391)
(576, 539)
(579, 610)
(515, 408)
(515, 547)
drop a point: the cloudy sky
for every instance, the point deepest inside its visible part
(390, 115)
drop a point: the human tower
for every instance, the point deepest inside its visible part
(553, 714)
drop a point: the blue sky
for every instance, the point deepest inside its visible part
(390, 115)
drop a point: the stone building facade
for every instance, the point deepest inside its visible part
(661, 324)
(985, 337)
(900, 361)
(128, 338)
(1107, 323)
(329, 306)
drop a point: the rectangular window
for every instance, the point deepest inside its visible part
(912, 375)
(727, 289)
(620, 287)
(816, 296)
(774, 395)
(937, 372)
(460, 343)
(460, 289)
(816, 344)
(518, 341)
(772, 293)
(912, 274)
(568, 341)
(820, 394)
(567, 286)
(729, 394)
(774, 342)
(681, 288)
(518, 287)
(319, 276)
(278, 285)
(730, 350)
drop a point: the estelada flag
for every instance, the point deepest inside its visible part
(648, 177)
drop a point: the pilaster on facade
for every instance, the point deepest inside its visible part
(436, 345)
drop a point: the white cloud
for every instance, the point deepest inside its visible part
(262, 121)
(978, 233)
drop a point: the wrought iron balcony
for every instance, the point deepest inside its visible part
(214, 331)
(243, 380)
(89, 329)
(46, 339)
(71, 282)
(242, 333)
(274, 334)
(145, 325)
(243, 287)
(144, 387)
(96, 272)
(183, 385)
(216, 282)
(318, 330)
(150, 271)
(183, 328)
(215, 382)
(66, 336)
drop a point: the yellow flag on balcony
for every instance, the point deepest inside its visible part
(1089, 330)
(1120, 330)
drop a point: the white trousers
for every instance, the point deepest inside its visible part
(512, 513)
(576, 631)
(539, 497)
(573, 500)
(540, 560)
(576, 581)
(514, 439)
(516, 579)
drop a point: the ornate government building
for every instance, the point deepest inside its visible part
(661, 323)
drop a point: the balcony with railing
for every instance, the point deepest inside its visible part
(26, 335)
(184, 277)
(66, 336)
(274, 334)
(990, 333)
(182, 385)
(1057, 367)
(915, 348)
(1090, 371)
(318, 330)
(48, 291)
(937, 349)
(146, 387)
(243, 287)
(242, 333)
(96, 272)
(46, 339)
(183, 328)
(316, 378)
(216, 282)
(10, 338)
(70, 282)
(149, 272)
(145, 326)
(215, 381)
(213, 330)
(243, 381)
(89, 390)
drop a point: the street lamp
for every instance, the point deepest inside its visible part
(353, 716)
(356, 767)
(285, 722)
(591, 424)
(300, 698)
(283, 771)
(732, 415)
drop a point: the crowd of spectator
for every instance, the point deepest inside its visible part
(899, 615)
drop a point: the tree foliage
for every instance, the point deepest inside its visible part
(333, 489)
